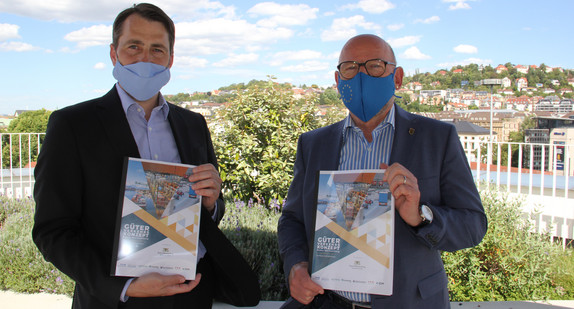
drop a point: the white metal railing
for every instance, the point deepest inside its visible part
(17, 159)
(526, 168)
(542, 175)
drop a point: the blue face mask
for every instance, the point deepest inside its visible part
(365, 95)
(142, 80)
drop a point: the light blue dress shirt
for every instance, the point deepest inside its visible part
(155, 141)
(358, 153)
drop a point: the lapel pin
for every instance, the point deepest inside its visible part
(412, 131)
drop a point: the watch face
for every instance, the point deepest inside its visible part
(426, 213)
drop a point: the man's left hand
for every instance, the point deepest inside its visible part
(207, 184)
(405, 188)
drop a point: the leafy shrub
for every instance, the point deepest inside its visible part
(252, 228)
(255, 138)
(511, 262)
(23, 267)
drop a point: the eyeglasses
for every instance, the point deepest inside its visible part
(374, 68)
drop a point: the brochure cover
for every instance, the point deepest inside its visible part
(157, 229)
(354, 232)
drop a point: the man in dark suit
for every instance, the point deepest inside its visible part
(79, 171)
(437, 203)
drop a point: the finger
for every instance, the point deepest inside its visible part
(206, 179)
(209, 183)
(204, 167)
(183, 287)
(203, 170)
(169, 280)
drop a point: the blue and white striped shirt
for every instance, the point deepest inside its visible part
(358, 153)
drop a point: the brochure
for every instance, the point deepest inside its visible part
(353, 246)
(157, 228)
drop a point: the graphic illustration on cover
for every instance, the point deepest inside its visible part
(159, 228)
(354, 232)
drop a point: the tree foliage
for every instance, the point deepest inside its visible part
(255, 138)
(24, 147)
(330, 97)
(30, 122)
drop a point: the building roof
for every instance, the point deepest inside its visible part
(467, 128)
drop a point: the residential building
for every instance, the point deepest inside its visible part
(521, 83)
(501, 68)
(471, 136)
(432, 97)
(554, 105)
(521, 69)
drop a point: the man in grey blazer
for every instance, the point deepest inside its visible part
(79, 171)
(438, 207)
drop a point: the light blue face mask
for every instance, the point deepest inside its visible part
(142, 80)
(365, 95)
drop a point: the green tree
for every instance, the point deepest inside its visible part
(255, 138)
(20, 149)
(330, 97)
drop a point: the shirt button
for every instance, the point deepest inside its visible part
(149, 129)
(139, 110)
(155, 156)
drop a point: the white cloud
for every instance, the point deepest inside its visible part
(466, 49)
(404, 41)
(235, 60)
(9, 31)
(280, 57)
(17, 47)
(107, 10)
(395, 27)
(283, 14)
(371, 6)
(430, 20)
(307, 66)
(458, 4)
(215, 36)
(465, 62)
(100, 66)
(344, 28)
(189, 62)
(415, 54)
(92, 36)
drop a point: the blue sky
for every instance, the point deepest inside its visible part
(56, 53)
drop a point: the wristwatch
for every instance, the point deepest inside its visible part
(426, 214)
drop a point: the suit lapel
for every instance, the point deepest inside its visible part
(332, 146)
(405, 133)
(181, 134)
(115, 125)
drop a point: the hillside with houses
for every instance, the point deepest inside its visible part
(522, 88)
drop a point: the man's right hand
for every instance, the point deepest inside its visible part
(302, 288)
(154, 285)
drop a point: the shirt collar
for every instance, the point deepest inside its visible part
(350, 124)
(128, 101)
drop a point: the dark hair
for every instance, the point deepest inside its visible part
(149, 12)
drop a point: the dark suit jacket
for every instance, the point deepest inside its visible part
(431, 150)
(77, 189)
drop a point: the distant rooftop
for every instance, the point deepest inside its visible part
(467, 128)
